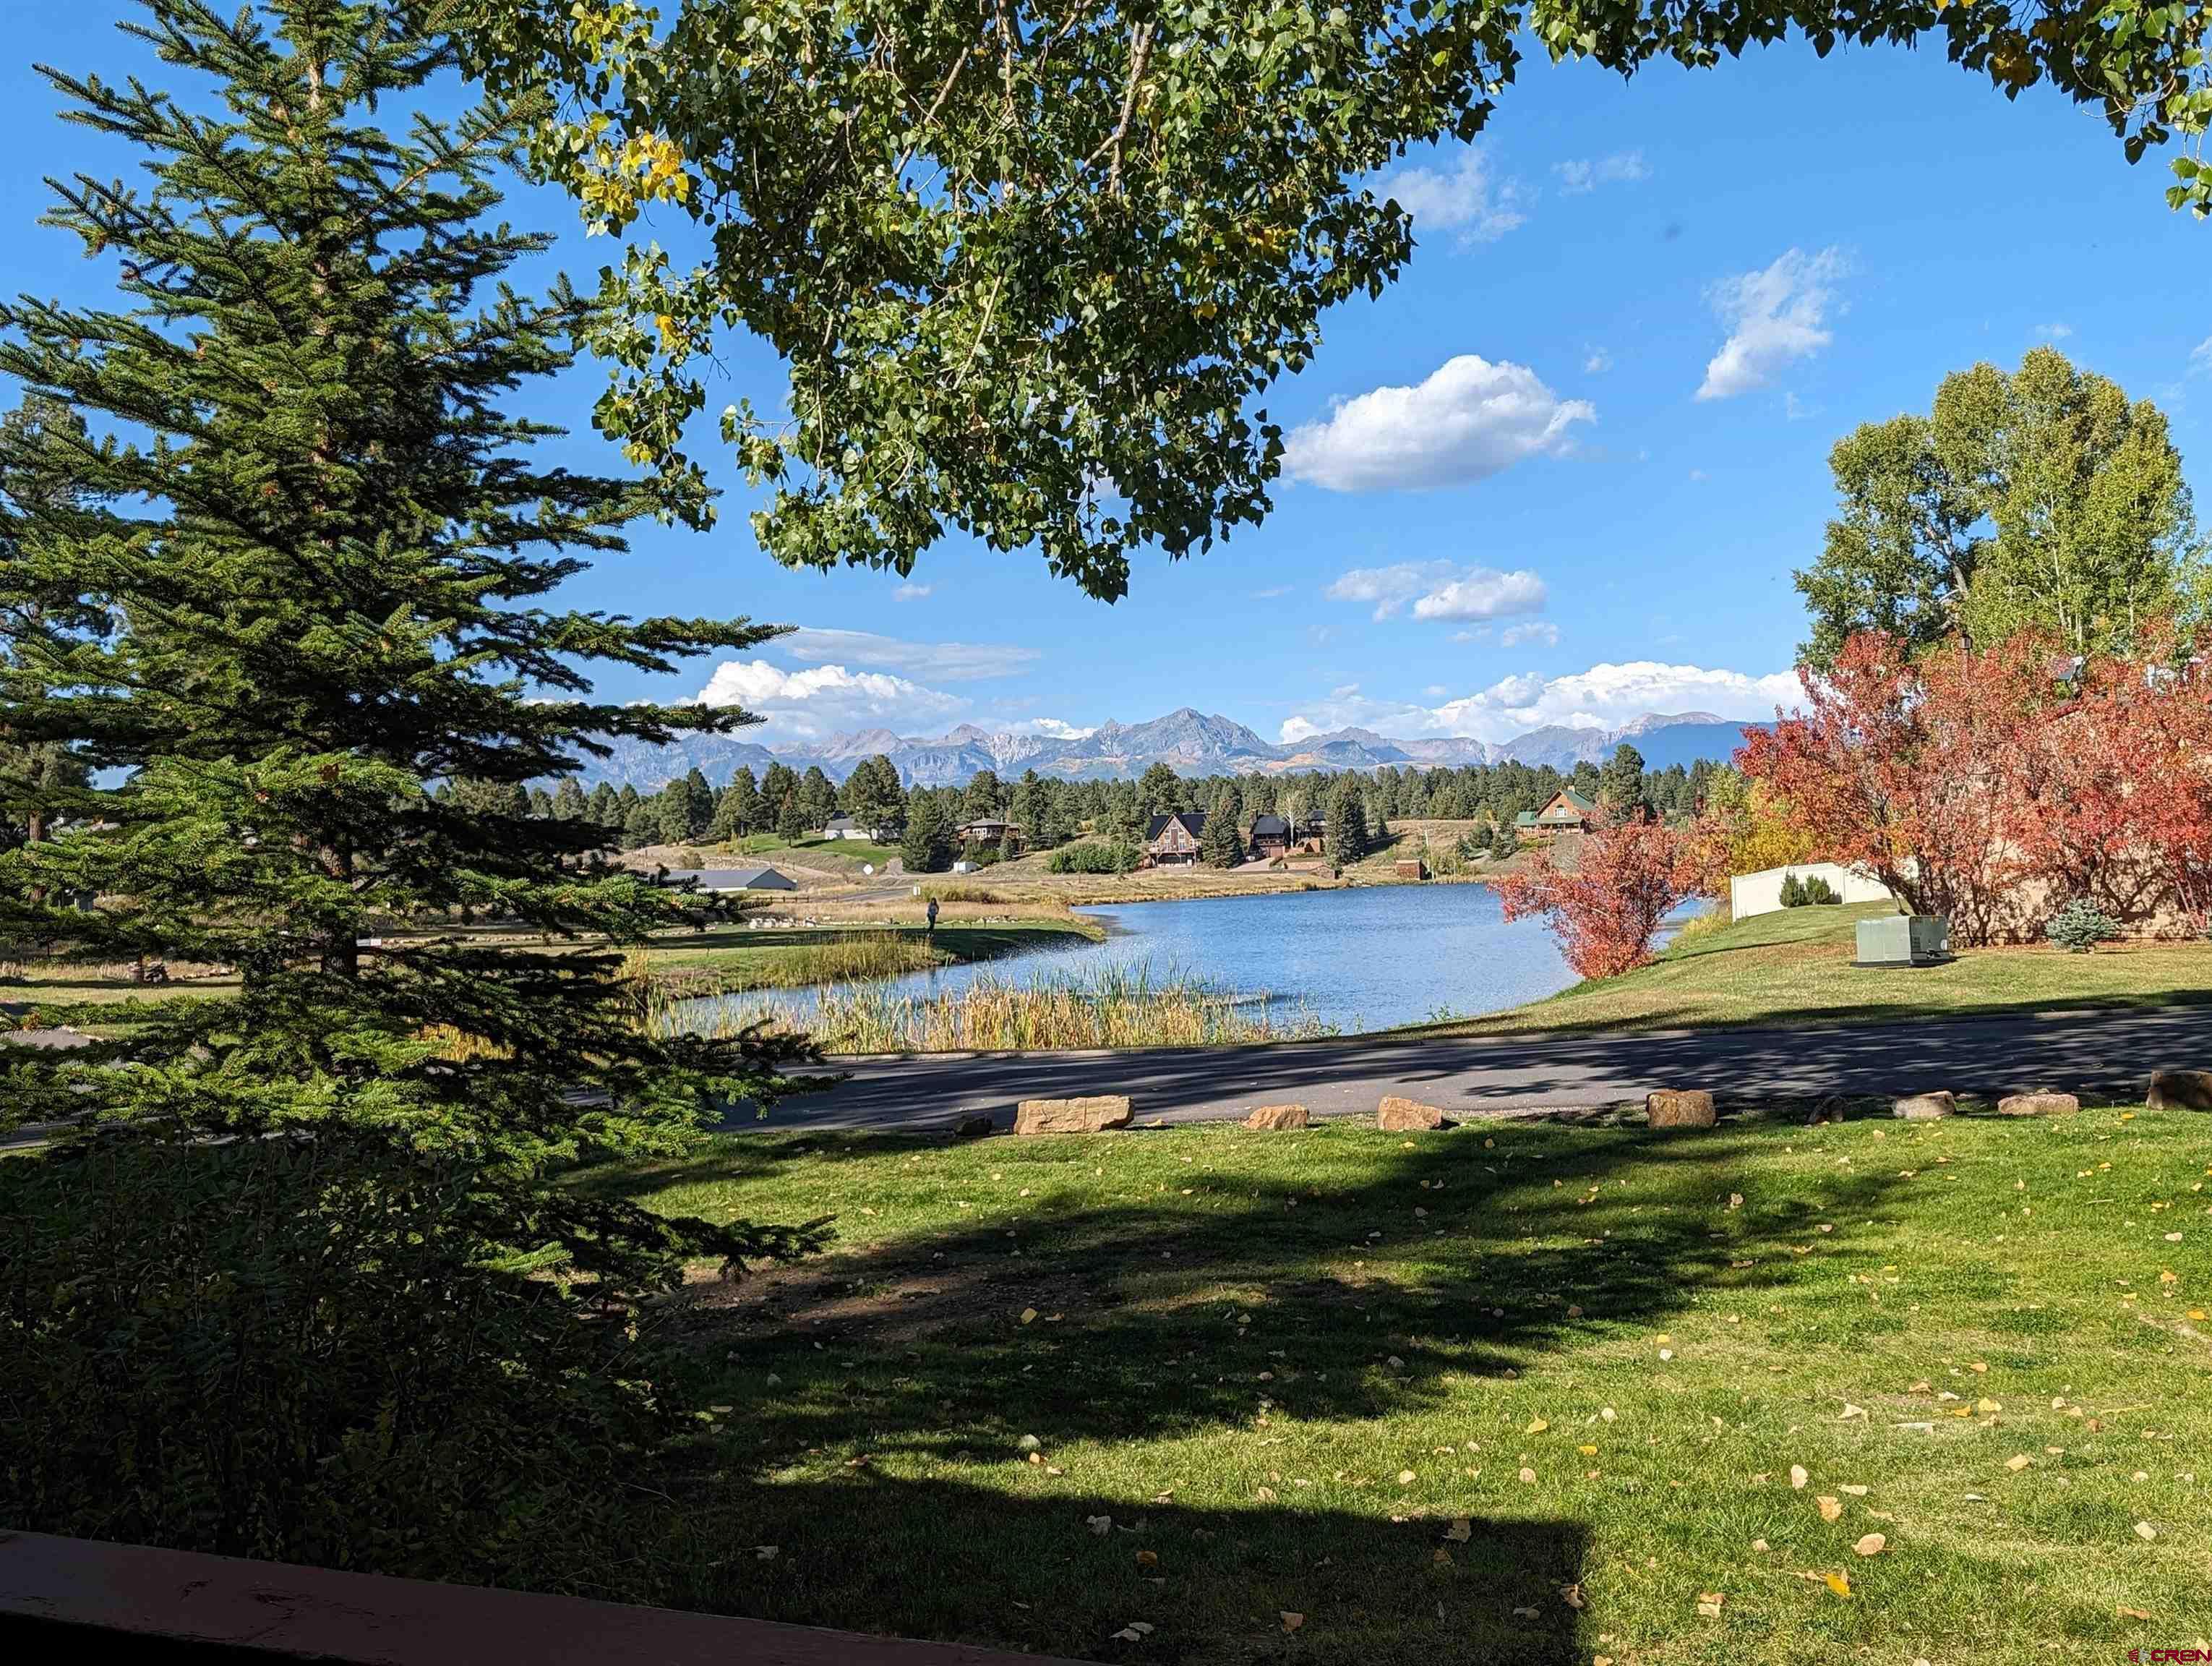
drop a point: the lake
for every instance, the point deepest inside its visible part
(1367, 958)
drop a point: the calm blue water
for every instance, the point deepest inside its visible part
(1363, 958)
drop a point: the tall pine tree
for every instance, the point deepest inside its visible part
(302, 577)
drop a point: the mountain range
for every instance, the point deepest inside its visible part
(1190, 742)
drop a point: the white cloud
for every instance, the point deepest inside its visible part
(1462, 198)
(1439, 590)
(1597, 363)
(1484, 593)
(1622, 168)
(1538, 631)
(1271, 592)
(1604, 696)
(1053, 728)
(1466, 422)
(2054, 332)
(911, 592)
(817, 702)
(1773, 316)
(948, 662)
(2200, 356)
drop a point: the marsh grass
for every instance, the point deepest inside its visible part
(1107, 1007)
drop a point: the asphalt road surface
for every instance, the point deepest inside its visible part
(2075, 1051)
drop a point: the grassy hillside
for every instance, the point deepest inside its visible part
(1509, 1393)
(1796, 965)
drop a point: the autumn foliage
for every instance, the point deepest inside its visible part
(1629, 875)
(1995, 786)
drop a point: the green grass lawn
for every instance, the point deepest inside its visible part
(1795, 966)
(770, 844)
(1521, 1393)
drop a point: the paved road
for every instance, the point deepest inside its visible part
(1523, 1075)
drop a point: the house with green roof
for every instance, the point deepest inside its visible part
(1569, 811)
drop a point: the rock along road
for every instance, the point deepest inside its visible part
(2110, 1053)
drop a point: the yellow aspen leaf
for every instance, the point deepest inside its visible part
(1838, 1583)
(1829, 1509)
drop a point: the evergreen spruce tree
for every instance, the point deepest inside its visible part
(927, 847)
(568, 800)
(698, 804)
(304, 577)
(1219, 842)
(872, 796)
(817, 799)
(737, 808)
(1348, 821)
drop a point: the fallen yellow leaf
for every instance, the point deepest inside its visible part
(1708, 1603)
(1797, 1476)
(1148, 1558)
(1537, 1427)
(1838, 1583)
(1871, 1545)
(2018, 1460)
(1830, 1509)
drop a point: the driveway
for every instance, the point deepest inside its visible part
(2112, 1052)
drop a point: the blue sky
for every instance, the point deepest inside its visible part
(1562, 472)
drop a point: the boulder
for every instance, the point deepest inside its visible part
(1093, 1115)
(2038, 1104)
(1279, 1118)
(1399, 1115)
(2180, 1090)
(1830, 1109)
(1925, 1107)
(974, 1125)
(1679, 1108)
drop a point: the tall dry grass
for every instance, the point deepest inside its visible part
(1108, 1008)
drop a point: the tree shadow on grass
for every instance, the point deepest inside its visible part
(1025, 1568)
(1378, 1283)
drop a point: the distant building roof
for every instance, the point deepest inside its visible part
(736, 878)
(1270, 827)
(1525, 818)
(838, 825)
(1194, 823)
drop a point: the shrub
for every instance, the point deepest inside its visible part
(2081, 926)
(1628, 877)
(1093, 857)
(1820, 893)
(1793, 892)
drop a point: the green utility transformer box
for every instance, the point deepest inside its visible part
(1904, 939)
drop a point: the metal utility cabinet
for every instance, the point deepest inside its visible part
(1904, 939)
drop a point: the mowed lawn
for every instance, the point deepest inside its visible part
(1794, 966)
(1530, 1392)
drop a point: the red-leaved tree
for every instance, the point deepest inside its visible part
(1994, 786)
(1628, 877)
